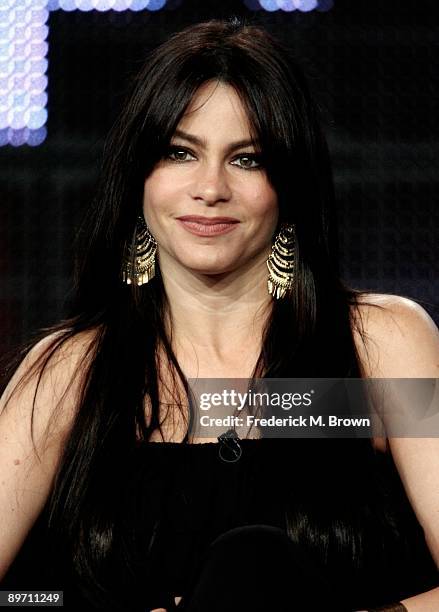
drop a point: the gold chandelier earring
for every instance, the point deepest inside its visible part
(281, 262)
(138, 266)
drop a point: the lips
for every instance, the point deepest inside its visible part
(207, 220)
(208, 226)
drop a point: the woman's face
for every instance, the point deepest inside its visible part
(209, 203)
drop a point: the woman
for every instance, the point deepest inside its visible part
(210, 252)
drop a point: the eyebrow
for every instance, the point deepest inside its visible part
(233, 146)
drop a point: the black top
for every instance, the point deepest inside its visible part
(340, 498)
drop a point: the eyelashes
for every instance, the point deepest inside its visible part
(179, 155)
(254, 159)
(173, 151)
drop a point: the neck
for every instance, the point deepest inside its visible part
(217, 314)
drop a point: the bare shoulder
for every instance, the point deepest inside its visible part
(49, 375)
(395, 337)
(36, 413)
(402, 341)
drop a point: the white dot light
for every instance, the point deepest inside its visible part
(84, 5)
(4, 121)
(4, 140)
(67, 5)
(269, 5)
(156, 5)
(36, 137)
(287, 5)
(120, 5)
(139, 5)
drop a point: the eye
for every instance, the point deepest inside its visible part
(249, 161)
(178, 154)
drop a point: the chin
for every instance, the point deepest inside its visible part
(206, 263)
(208, 270)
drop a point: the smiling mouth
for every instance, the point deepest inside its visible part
(204, 226)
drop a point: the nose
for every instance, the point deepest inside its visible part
(211, 185)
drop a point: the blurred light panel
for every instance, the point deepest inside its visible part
(305, 6)
(106, 5)
(23, 61)
(23, 66)
(23, 55)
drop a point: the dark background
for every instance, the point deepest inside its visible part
(372, 65)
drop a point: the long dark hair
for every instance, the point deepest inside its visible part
(309, 334)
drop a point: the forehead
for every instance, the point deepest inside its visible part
(216, 108)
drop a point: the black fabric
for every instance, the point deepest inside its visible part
(340, 502)
(259, 568)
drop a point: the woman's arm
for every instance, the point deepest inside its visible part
(28, 463)
(404, 343)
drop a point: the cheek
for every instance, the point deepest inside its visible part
(264, 204)
(156, 195)
(262, 196)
